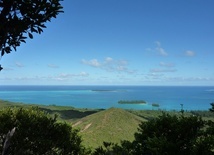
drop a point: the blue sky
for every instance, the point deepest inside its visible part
(119, 42)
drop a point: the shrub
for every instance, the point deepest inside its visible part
(37, 133)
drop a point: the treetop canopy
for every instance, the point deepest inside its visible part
(19, 19)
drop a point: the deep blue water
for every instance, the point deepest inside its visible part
(169, 98)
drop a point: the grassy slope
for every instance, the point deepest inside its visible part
(66, 113)
(111, 125)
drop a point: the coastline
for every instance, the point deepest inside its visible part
(104, 97)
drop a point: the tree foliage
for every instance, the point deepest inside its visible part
(212, 107)
(37, 133)
(167, 135)
(19, 19)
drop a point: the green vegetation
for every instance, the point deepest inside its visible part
(66, 113)
(112, 125)
(169, 135)
(115, 130)
(35, 132)
(212, 107)
(155, 105)
(132, 102)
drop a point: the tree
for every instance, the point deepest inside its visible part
(212, 107)
(21, 18)
(37, 133)
(125, 148)
(173, 135)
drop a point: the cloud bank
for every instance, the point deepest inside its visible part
(109, 64)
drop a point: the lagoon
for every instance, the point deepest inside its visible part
(103, 97)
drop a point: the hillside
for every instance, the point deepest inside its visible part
(98, 125)
(111, 125)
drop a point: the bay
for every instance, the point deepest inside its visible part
(103, 97)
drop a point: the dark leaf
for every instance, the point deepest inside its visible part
(2, 52)
(22, 37)
(30, 35)
(42, 25)
(14, 47)
(1, 68)
(40, 30)
(7, 49)
(23, 41)
(33, 30)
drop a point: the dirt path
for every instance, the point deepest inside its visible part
(86, 127)
(77, 123)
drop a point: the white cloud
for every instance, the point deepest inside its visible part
(190, 53)
(59, 77)
(190, 79)
(66, 76)
(160, 50)
(20, 78)
(83, 74)
(6, 79)
(18, 64)
(162, 70)
(160, 78)
(108, 59)
(121, 68)
(53, 66)
(158, 43)
(164, 64)
(122, 62)
(92, 62)
(154, 75)
(148, 49)
(109, 64)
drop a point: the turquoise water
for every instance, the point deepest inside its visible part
(169, 98)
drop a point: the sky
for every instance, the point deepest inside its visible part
(119, 42)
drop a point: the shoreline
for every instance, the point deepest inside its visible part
(6, 103)
(104, 97)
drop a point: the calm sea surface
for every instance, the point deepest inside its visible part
(168, 98)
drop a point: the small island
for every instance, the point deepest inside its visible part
(132, 102)
(103, 90)
(155, 105)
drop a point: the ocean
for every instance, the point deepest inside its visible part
(103, 97)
